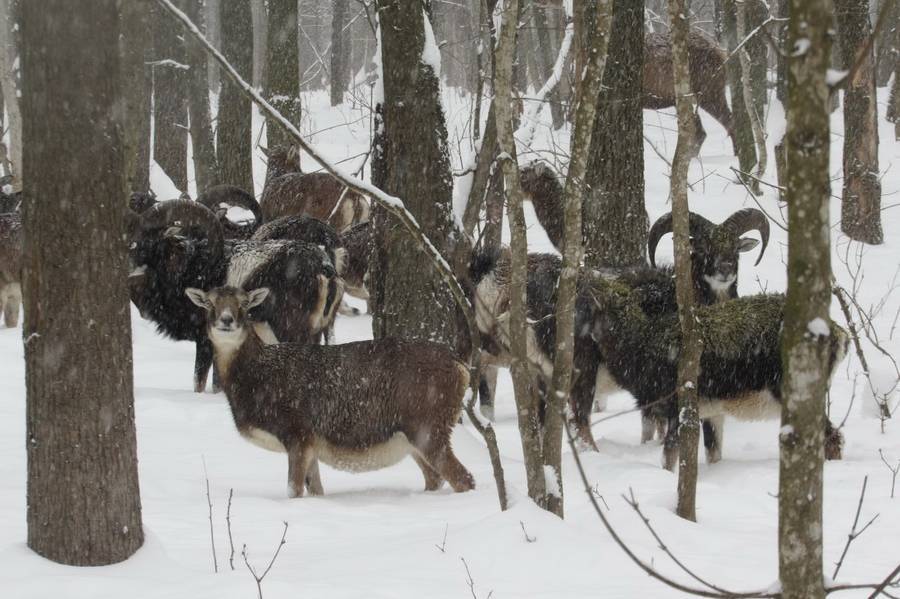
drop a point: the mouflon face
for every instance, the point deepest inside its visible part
(227, 308)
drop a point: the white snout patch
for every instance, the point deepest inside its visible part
(487, 300)
(371, 458)
(719, 285)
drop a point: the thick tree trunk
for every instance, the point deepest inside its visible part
(585, 116)
(340, 42)
(136, 49)
(204, 151)
(805, 353)
(743, 130)
(233, 131)
(861, 198)
(523, 382)
(283, 68)
(8, 84)
(411, 160)
(687, 418)
(83, 501)
(170, 118)
(615, 221)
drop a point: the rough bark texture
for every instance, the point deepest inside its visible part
(526, 399)
(411, 161)
(615, 221)
(233, 123)
(804, 354)
(688, 422)
(8, 85)
(283, 76)
(861, 198)
(170, 117)
(204, 151)
(743, 130)
(83, 500)
(585, 115)
(135, 46)
(340, 43)
(756, 12)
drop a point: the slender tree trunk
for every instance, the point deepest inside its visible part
(861, 198)
(260, 42)
(615, 221)
(749, 86)
(204, 151)
(755, 13)
(213, 11)
(887, 48)
(893, 111)
(170, 117)
(9, 87)
(526, 399)
(781, 55)
(136, 49)
(743, 130)
(83, 501)
(585, 116)
(415, 167)
(340, 40)
(548, 48)
(283, 89)
(688, 416)
(805, 354)
(233, 130)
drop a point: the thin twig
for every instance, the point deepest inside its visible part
(853, 532)
(228, 522)
(212, 539)
(528, 539)
(259, 577)
(894, 471)
(443, 546)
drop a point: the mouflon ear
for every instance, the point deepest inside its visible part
(198, 296)
(745, 244)
(257, 296)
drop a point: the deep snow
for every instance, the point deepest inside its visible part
(380, 535)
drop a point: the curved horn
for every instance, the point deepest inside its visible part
(663, 225)
(186, 213)
(749, 219)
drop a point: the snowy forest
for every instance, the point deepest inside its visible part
(254, 254)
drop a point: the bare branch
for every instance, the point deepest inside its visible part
(853, 532)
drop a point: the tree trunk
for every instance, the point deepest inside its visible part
(170, 118)
(136, 49)
(283, 72)
(260, 42)
(83, 500)
(887, 48)
(340, 41)
(861, 198)
(615, 220)
(687, 417)
(585, 116)
(204, 152)
(233, 131)
(8, 84)
(805, 355)
(523, 387)
(893, 111)
(743, 130)
(213, 11)
(756, 12)
(781, 55)
(415, 167)
(749, 87)
(311, 24)
(548, 48)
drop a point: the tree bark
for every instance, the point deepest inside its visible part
(750, 84)
(411, 160)
(893, 111)
(283, 72)
(9, 87)
(688, 415)
(887, 48)
(548, 48)
(861, 197)
(233, 130)
(204, 151)
(170, 117)
(805, 354)
(615, 221)
(83, 499)
(523, 387)
(743, 130)
(260, 42)
(340, 41)
(136, 49)
(585, 116)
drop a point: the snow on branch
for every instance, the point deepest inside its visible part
(392, 204)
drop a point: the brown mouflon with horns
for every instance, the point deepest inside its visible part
(357, 407)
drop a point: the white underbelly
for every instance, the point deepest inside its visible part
(263, 439)
(364, 460)
(760, 405)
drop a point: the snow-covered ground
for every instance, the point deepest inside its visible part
(380, 535)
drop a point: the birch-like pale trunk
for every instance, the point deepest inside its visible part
(526, 399)
(585, 113)
(805, 353)
(206, 169)
(8, 55)
(861, 197)
(688, 416)
(260, 42)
